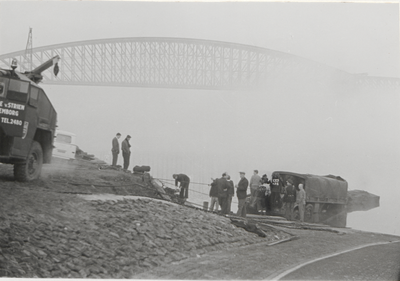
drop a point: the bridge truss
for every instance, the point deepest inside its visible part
(181, 63)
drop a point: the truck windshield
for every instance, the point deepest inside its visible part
(63, 138)
(3, 86)
(18, 90)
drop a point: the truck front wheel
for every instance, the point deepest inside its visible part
(31, 169)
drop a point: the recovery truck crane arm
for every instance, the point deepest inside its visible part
(36, 74)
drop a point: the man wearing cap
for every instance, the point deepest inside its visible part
(115, 149)
(242, 194)
(126, 151)
(255, 182)
(289, 199)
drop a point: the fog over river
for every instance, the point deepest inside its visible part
(204, 134)
(201, 133)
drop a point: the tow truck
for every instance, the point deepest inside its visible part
(27, 120)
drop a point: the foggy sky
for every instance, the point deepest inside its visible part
(354, 37)
(355, 136)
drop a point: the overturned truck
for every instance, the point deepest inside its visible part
(327, 198)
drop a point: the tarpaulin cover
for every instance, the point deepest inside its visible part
(323, 187)
(360, 200)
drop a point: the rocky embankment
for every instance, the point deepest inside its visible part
(46, 233)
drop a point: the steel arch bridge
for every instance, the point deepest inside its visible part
(180, 63)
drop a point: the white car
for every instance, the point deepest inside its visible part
(64, 145)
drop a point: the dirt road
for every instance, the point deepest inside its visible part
(262, 262)
(376, 262)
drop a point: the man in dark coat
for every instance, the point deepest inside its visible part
(126, 151)
(184, 181)
(266, 182)
(214, 196)
(115, 149)
(223, 187)
(231, 193)
(242, 194)
(289, 199)
(276, 189)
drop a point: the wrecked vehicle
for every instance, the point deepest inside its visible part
(327, 198)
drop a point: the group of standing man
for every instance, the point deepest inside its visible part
(263, 194)
(126, 150)
(222, 191)
(294, 195)
(285, 195)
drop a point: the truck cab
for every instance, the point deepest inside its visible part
(27, 123)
